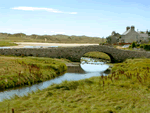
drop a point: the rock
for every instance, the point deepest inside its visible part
(107, 71)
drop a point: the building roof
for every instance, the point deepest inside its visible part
(143, 35)
(126, 32)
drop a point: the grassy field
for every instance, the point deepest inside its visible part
(6, 43)
(17, 71)
(99, 55)
(20, 37)
(125, 90)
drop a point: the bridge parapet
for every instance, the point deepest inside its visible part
(75, 53)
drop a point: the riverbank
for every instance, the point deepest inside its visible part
(17, 71)
(126, 89)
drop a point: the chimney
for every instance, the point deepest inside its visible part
(127, 28)
(132, 28)
(113, 33)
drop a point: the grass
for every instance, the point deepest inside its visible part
(125, 90)
(6, 43)
(99, 55)
(17, 71)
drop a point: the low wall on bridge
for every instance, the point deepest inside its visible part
(75, 53)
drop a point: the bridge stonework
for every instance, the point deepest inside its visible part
(75, 53)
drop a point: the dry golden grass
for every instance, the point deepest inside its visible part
(17, 71)
(125, 90)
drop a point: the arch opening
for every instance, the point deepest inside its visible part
(100, 55)
(93, 65)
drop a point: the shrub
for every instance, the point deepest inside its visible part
(133, 45)
(130, 46)
(146, 47)
(101, 43)
(138, 45)
(141, 46)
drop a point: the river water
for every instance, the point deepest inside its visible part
(88, 67)
(28, 47)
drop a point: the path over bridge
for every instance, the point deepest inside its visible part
(75, 53)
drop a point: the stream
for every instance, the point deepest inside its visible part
(88, 67)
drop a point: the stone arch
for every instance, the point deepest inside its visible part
(112, 59)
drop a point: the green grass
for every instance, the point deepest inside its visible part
(6, 43)
(125, 90)
(17, 71)
(99, 55)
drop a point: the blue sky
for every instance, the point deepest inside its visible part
(73, 17)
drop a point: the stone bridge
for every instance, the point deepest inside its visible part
(75, 53)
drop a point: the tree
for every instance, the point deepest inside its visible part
(142, 32)
(108, 40)
(102, 39)
(149, 33)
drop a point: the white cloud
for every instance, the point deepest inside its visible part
(52, 31)
(44, 31)
(39, 9)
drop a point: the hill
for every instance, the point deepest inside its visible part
(59, 38)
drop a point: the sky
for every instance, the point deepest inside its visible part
(96, 18)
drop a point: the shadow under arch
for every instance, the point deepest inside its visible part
(112, 60)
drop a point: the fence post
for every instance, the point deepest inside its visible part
(12, 110)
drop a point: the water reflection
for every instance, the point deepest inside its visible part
(93, 67)
(76, 69)
(81, 71)
(38, 46)
(4, 47)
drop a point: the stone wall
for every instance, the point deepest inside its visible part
(75, 53)
(132, 37)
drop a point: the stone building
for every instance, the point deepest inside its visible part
(130, 35)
